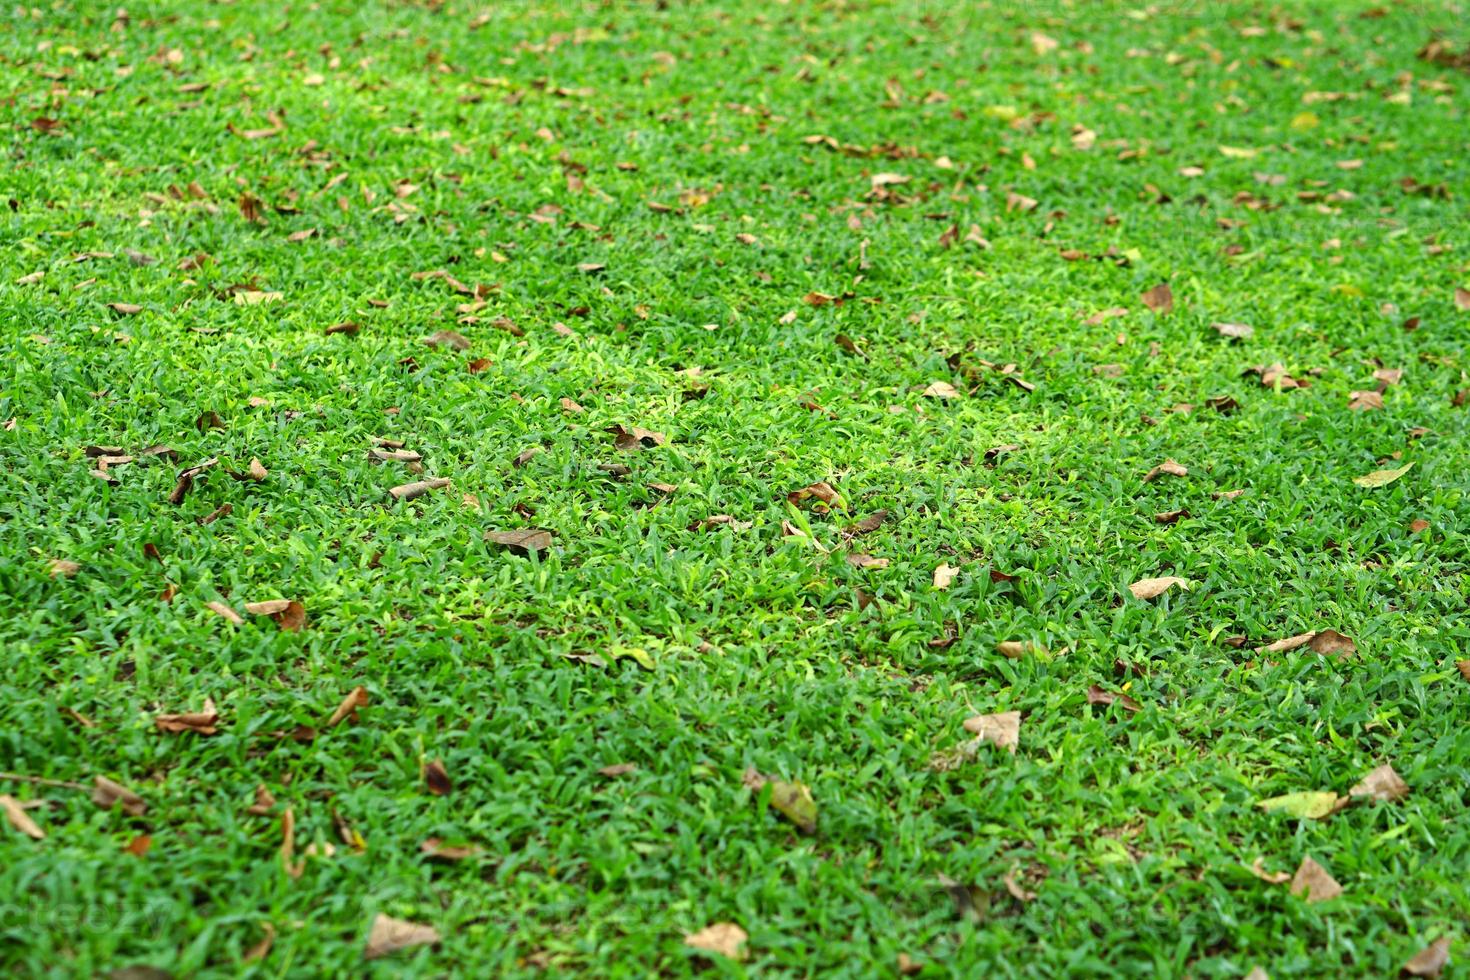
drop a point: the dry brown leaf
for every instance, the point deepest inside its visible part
(1382, 784)
(1326, 642)
(866, 561)
(1016, 649)
(868, 524)
(1002, 729)
(1464, 667)
(1314, 883)
(436, 778)
(107, 794)
(1233, 331)
(630, 440)
(1019, 892)
(448, 338)
(1364, 401)
(1170, 516)
(288, 614)
(724, 938)
(792, 800)
(1462, 298)
(940, 389)
(264, 802)
(288, 844)
(356, 698)
(388, 935)
(262, 949)
(822, 492)
(620, 769)
(522, 542)
(1149, 588)
(349, 327)
(198, 722)
(61, 568)
(410, 491)
(571, 407)
(1167, 468)
(1258, 869)
(944, 575)
(1160, 299)
(1430, 960)
(721, 520)
(19, 819)
(1096, 695)
(220, 609)
(436, 850)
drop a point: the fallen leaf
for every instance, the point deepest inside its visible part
(289, 614)
(61, 568)
(436, 778)
(1149, 588)
(448, 338)
(1363, 401)
(19, 819)
(823, 493)
(1382, 478)
(944, 575)
(356, 698)
(1016, 649)
(1382, 784)
(410, 491)
(1160, 299)
(1167, 468)
(257, 297)
(629, 440)
(1258, 869)
(1307, 805)
(1233, 331)
(721, 520)
(1002, 729)
(621, 769)
(389, 935)
(868, 524)
(521, 542)
(107, 794)
(1170, 516)
(1327, 642)
(1314, 883)
(1462, 298)
(264, 802)
(348, 327)
(1430, 960)
(436, 850)
(1096, 695)
(940, 389)
(1017, 891)
(198, 722)
(125, 309)
(724, 938)
(866, 561)
(261, 949)
(220, 609)
(792, 800)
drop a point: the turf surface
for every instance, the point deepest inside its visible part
(772, 234)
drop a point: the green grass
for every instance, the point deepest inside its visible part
(1134, 830)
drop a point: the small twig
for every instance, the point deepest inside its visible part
(43, 781)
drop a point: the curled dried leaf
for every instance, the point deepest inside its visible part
(410, 491)
(1002, 729)
(522, 542)
(107, 794)
(356, 698)
(388, 935)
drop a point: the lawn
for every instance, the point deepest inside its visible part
(786, 394)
